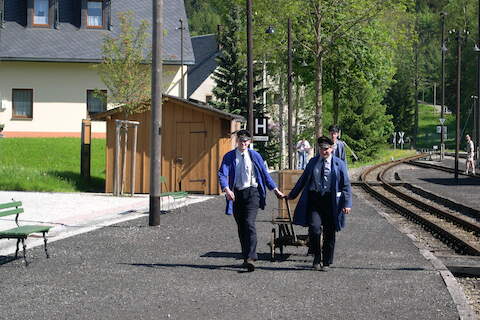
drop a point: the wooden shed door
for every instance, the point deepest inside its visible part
(191, 161)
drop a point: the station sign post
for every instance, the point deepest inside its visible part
(260, 131)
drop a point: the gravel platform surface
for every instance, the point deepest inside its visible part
(467, 191)
(188, 268)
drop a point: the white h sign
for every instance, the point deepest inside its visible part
(261, 126)
(260, 130)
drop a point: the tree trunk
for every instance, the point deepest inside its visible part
(319, 96)
(336, 95)
(281, 120)
(318, 72)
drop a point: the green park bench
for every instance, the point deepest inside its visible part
(21, 233)
(176, 195)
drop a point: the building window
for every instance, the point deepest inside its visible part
(95, 14)
(40, 12)
(22, 103)
(96, 101)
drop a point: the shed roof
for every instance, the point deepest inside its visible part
(69, 43)
(102, 116)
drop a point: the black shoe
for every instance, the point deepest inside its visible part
(249, 264)
(317, 267)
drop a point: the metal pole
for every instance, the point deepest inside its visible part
(477, 119)
(249, 68)
(156, 126)
(415, 125)
(457, 116)
(290, 103)
(182, 84)
(443, 49)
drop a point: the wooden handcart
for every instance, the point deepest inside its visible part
(286, 234)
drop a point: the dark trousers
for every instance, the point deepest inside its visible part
(245, 208)
(321, 220)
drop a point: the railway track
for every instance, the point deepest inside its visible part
(455, 224)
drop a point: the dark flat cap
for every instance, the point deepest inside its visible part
(244, 135)
(324, 142)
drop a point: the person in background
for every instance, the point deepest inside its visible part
(245, 179)
(338, 145)
(470, 164)
(303, 148)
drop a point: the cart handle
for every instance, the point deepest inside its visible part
(290, 218)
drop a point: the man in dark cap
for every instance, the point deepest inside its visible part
(325, 200)
(245, 179)
(338, 145)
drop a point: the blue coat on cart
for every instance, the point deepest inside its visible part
(341, 192)
(226, 176)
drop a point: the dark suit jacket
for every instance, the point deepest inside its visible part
(341, 193)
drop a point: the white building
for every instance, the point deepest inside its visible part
(47, 50)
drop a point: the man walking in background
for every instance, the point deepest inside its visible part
(303, 148)
(245, 179)
(470, 163)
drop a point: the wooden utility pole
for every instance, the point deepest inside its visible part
(290, 103)
(85, 153)
(156, 126)
(249, 68)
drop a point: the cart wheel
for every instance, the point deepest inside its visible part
(272, 245)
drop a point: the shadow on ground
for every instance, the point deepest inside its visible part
(94, 184)
(452, 182)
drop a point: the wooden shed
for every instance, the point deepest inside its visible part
(194, 139)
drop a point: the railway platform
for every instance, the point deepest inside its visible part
(189, 268)
(466, 190)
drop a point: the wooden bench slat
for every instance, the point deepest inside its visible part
(10, 204)
(24, 231)
(10, 212)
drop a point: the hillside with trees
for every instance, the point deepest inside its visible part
(360, 64)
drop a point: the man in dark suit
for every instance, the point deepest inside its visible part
(245, 179)
(325, 200)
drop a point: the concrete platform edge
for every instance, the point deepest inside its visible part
(465, 311)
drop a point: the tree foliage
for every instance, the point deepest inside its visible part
(125, 69)
(358, 60)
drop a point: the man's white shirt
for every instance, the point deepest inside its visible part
(244, 173)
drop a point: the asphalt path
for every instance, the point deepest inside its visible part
(189, 268)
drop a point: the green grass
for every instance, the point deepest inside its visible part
(383, 155)
(428, 120)
(49, 164)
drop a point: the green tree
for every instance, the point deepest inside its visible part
(125, 68)
(230, 76)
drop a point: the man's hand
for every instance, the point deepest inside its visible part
(229, 194)
(347, 210)
(278, 193)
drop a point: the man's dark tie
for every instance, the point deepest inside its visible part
(322, 178)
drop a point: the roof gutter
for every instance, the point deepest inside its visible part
(167, 62)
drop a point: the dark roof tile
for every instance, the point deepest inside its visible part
(69, 43)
